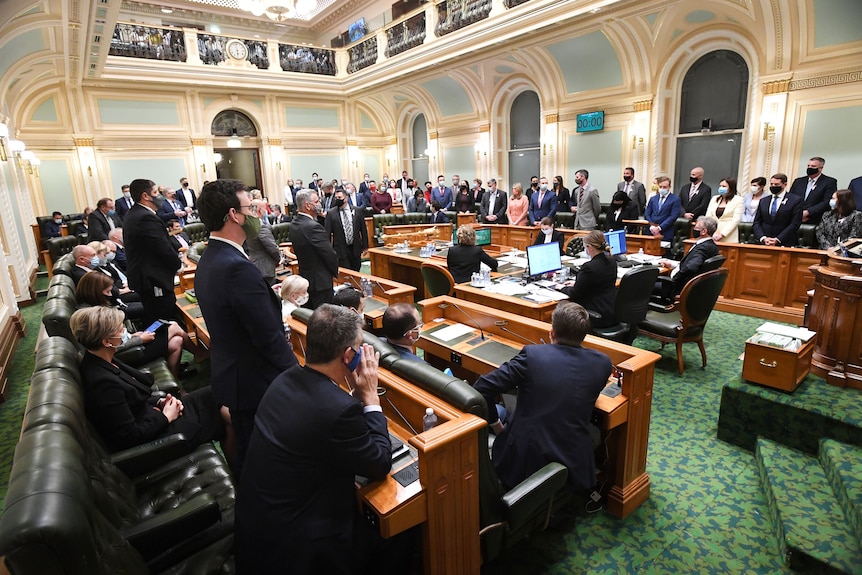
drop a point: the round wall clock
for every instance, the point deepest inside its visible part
(237, 49)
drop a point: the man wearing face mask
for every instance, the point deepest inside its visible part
(814, 189)
(695, 195)
(124, 203)
(242, 312)
(52, 228)
(151, 260)
(318, 261)
(364, 187)
(492, 210)
(86, 260)
(345, 227)
(685, 269)
(543, 203)
(102, 220)
(442, 194)
(534, 187)
(633, 189)
(662, 210)
(778, 217)
(298, 503)
(585, 202)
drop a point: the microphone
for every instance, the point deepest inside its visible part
(468, 316)
(502, 325)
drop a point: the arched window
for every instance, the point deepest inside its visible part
(420, 145)
(227, 121)
(712, 116)
(524, 138)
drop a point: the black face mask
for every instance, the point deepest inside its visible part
(627, 178)
(812, 171)
(618, 204)
(692, 179)
(775, 189)
(339, 202)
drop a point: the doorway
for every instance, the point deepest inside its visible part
(240, 164)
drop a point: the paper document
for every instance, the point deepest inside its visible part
(516, 261)
(643, 258)
(451, 332)
(507, 288)
(786, 330)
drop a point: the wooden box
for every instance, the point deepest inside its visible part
(775, 367)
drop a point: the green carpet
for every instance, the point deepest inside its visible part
(706, 512)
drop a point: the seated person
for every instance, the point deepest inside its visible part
(96, 289)
(437, 215)
(350, 298)
(622, 208)
(552, 418)
(595, 286)
(86, 261)
(52, 229)
(294, 294)
(690, 265)
(417, 203)
(118, 399)
(401, 327)
(466, 258)
(841, 222)
(179, 239)
(548, 234)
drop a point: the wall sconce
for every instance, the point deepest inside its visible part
(768, 129)
(278, 166)
(34, 166)
(90, 171)
(25, 158)
(204, 168)
(15, 149)
(217, 157)
(4, 135)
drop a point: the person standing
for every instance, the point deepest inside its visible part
(588, 205)
(242, 312)
(262, 250)
(102, 220)
(516, 209)
(695, 195)
(442, 194)
(815, 189)
(493, 207)
(345, 227)
(634, 189)
(151, 260)
(318, 261)
(124, 203)
(543, 203)
(662, 210)
(778, 218)
(726, 208)
(186, 195)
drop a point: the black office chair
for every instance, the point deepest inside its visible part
(660, 303)
(631, 306)
(575, 246)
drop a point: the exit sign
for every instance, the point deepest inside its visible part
(591, 122)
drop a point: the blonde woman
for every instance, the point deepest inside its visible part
(726, 207)
(518, 205)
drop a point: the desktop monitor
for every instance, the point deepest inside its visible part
(483, 237)
(544, 258)
(617, 240)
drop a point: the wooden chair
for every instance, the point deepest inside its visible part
(686, 319)
(438, 280)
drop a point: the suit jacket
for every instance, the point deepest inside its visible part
(663, 215)
(318, 261)
(264, 253)
(817, 202)
(439, 218)
(785, 224)
(595, 289)
(243, 316)
(280, 219)
(98, 226)
(166, 212)
(547, 208)
(552, 421)
(445, 198)
(587, 216)
(463, 261)
(181, 196)
(334, 229)
(298, 501)
(728, 223)
(499, 207)
(78, 272)
(465, 202)
(855, 186)
(637, 193)
(175, 242)
(152, 261)
(122, 206)
(690, 265)
(556, 236)
(698, 204)
(629, 212)
(120, 258)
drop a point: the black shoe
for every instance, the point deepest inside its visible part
(188, 372)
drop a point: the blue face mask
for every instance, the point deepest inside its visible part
(112, 212)
(722, 191)
(94, 262)
(126, 336)
(354, 363)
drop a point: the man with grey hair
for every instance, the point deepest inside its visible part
(317, 259)
(262, 250)
(492, 210)
(690, 265)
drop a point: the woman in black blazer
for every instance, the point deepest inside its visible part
(465, 201)
(622, 208)
(595, 286)
(118, 400)
(465, 258)
(548, 234)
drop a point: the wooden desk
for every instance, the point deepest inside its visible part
(187, 273)
(195, 323)
(512, 304)
(386, 293)
(445, 500)
(623, 420)
(523, 236)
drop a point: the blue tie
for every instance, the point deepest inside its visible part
(774, 207)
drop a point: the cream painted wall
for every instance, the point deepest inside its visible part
(56, 179)
(833, 134)
(599, 153)
(163, 171)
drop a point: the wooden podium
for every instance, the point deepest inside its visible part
(836, 314)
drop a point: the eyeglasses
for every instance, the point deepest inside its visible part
(251, 208)
(418, 328)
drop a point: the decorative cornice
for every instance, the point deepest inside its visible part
(273, 141)
(643, 105)
(392, 141)
(833, 79)
(776, 86)
(552, 118)
(433, 135)
(485, 128)
(352, 143)
(199, 141)
(83, 142)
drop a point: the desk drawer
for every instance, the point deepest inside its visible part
(777, 368)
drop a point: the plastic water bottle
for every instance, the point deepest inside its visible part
(640, 251)
(367, 288)
(429, 420)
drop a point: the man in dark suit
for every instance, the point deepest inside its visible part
(242, 312)
(86, 261)
(171, 208)
(695, 195)
(152, 260)
(124, 203)
(120, 259)
(815, 190)
(365, 186)
(401, 326)
(318, 262)
(690, 265)
(855, 186)
(186, 195)
(662, 210)
(492, 210)
(298, 503)
(777, 220)
(543, 203)
(179, 239)
(403, 184)
(278, 217)
(442, 194)
(437, 215)
(634, 189)
(102, 220)
(345, 227)
(552, 421)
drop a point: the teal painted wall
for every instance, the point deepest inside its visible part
(460, 160)
(138, 112)
(166, 171)
(57, 186)
(327, 167)
(600, 153)
(366, 122)
(46, 112)
(19, 47)
(449, 95)
(827, 135)
(587, 62)
(371, 166)
(837, 22)
(311, 117)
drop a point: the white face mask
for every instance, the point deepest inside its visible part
(547, 231)
(302, 300)
(664, 192)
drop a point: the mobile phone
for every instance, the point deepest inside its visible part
(155, 326)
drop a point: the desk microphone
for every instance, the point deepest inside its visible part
(353, 279)
(467, 315)
(502, 325)
(382, 289)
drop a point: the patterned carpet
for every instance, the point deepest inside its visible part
(706, 512)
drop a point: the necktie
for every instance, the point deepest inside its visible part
(809, 188)
(774, 207)
(347, 220)
(693, 191)
(581, 196)
(541, 198)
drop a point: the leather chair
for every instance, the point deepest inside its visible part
(281, 233)
(660, 304)
(806, 237)
(631, 305)
(438, 280)
(575, 246)
(681, 232)
(57, 248)
(380, 221)
(417, 218)
(195, 251)
(564, 220)
(78, 230)
(746, 231)
(686, 320)
(197, 232)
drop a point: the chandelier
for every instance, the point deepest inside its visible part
(279, 10)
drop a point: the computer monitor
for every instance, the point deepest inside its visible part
(617, 240)
(544, 258)
(483, 237)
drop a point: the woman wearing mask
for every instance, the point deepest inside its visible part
(478, 191)
(548, 234)
(516, 209)
(594, 287)
(381, 201)
(465, 201)
(726, 207)
(395, 192)
(417, 204)
(841, 222)
(294, 294)
(752, 198)
(562, 192)
(622, 208)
